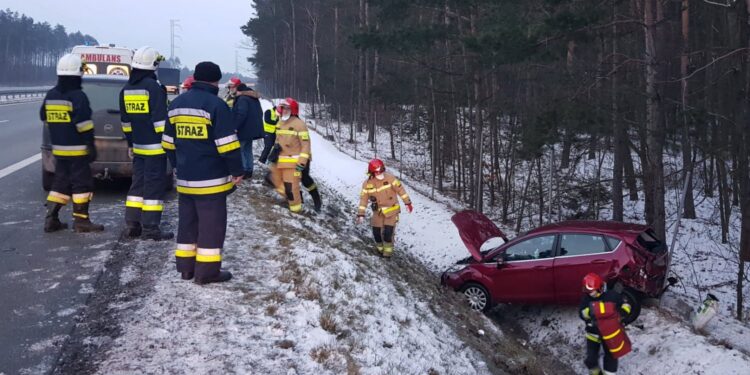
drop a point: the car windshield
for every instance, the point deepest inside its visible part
(103, 95)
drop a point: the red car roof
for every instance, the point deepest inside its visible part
(611, 227)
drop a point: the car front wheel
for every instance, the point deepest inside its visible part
(477, 297)
(631, 298)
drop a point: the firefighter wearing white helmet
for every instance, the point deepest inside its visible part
(67, 115)
(146, 58)
(143, 112)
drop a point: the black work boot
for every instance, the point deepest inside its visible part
(51, 220)
(132, 229)
(187, 275)
(81, 222)
(315, 194)
(155, 233)
(221, 277)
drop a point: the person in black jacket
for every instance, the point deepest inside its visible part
(201, 142)
(66, 113)
(143, 112)
(594, 288)
(247, 117)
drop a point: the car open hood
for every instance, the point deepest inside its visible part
(475, 229)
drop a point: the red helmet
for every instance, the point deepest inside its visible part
(234, 82)
(592, 282)
(375, 166)
(291, 104)
(188, 83)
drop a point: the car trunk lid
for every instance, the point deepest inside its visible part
(107, 124)
(475, 229)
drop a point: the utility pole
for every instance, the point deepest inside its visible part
(173, 24)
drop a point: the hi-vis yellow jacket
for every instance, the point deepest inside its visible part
(385, 192)
(293, 137)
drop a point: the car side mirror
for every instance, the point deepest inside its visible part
(500, 262)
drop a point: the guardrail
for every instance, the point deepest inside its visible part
(13, 95)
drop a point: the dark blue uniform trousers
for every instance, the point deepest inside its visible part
(200, 234)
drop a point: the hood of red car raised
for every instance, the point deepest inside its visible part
(475, 229)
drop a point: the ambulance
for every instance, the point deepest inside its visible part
(105, 60)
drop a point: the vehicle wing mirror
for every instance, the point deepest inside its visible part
(500, 261)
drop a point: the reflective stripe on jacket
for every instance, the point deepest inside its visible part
(385, 192)
(68, 118)
(293, 137)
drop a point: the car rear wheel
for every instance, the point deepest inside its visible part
(47, 178)
(630, 297)
(477, 297)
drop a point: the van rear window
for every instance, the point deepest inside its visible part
(650, 242)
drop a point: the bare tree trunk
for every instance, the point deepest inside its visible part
(687, 157)
(654, 116)
(621, 146)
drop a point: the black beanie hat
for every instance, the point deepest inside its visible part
(207, 71)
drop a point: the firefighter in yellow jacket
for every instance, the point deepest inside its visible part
(293, 144)
(382, 190)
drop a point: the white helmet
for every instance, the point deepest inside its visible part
(146, 58)
(70, 65)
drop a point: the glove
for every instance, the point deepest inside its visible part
(409, 207)
(300, 168)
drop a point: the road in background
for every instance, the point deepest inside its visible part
(46, 277)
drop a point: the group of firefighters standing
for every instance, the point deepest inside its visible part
(210, 147)
(208, 141)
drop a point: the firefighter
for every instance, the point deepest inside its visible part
(273, 177)
(200, 140)
(594, 290)
(143, 112)
(247, 116)
(231, 95)
(67, 114)
(293, 143)
(382, 190)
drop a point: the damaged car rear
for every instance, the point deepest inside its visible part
(546, 265)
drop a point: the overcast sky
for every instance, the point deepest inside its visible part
(209, 30)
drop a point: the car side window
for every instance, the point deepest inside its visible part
(534, 248)
(581, 244)
(613, 242)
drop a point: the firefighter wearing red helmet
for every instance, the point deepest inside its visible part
(293, 148)
(232, 86)
(602, 311)
(382, 190)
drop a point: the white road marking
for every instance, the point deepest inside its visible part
(3, 121)
(20, 165)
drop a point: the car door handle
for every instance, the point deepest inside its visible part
(599, 261)
(540, 268)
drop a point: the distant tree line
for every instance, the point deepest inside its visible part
(510, 96)
(29, 50)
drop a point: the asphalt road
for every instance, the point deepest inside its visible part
(46, 278)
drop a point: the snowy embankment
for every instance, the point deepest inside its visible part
(309, 296)
(661, 341)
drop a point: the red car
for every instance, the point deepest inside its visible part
(547, 264)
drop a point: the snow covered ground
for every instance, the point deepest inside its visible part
(662, 338)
